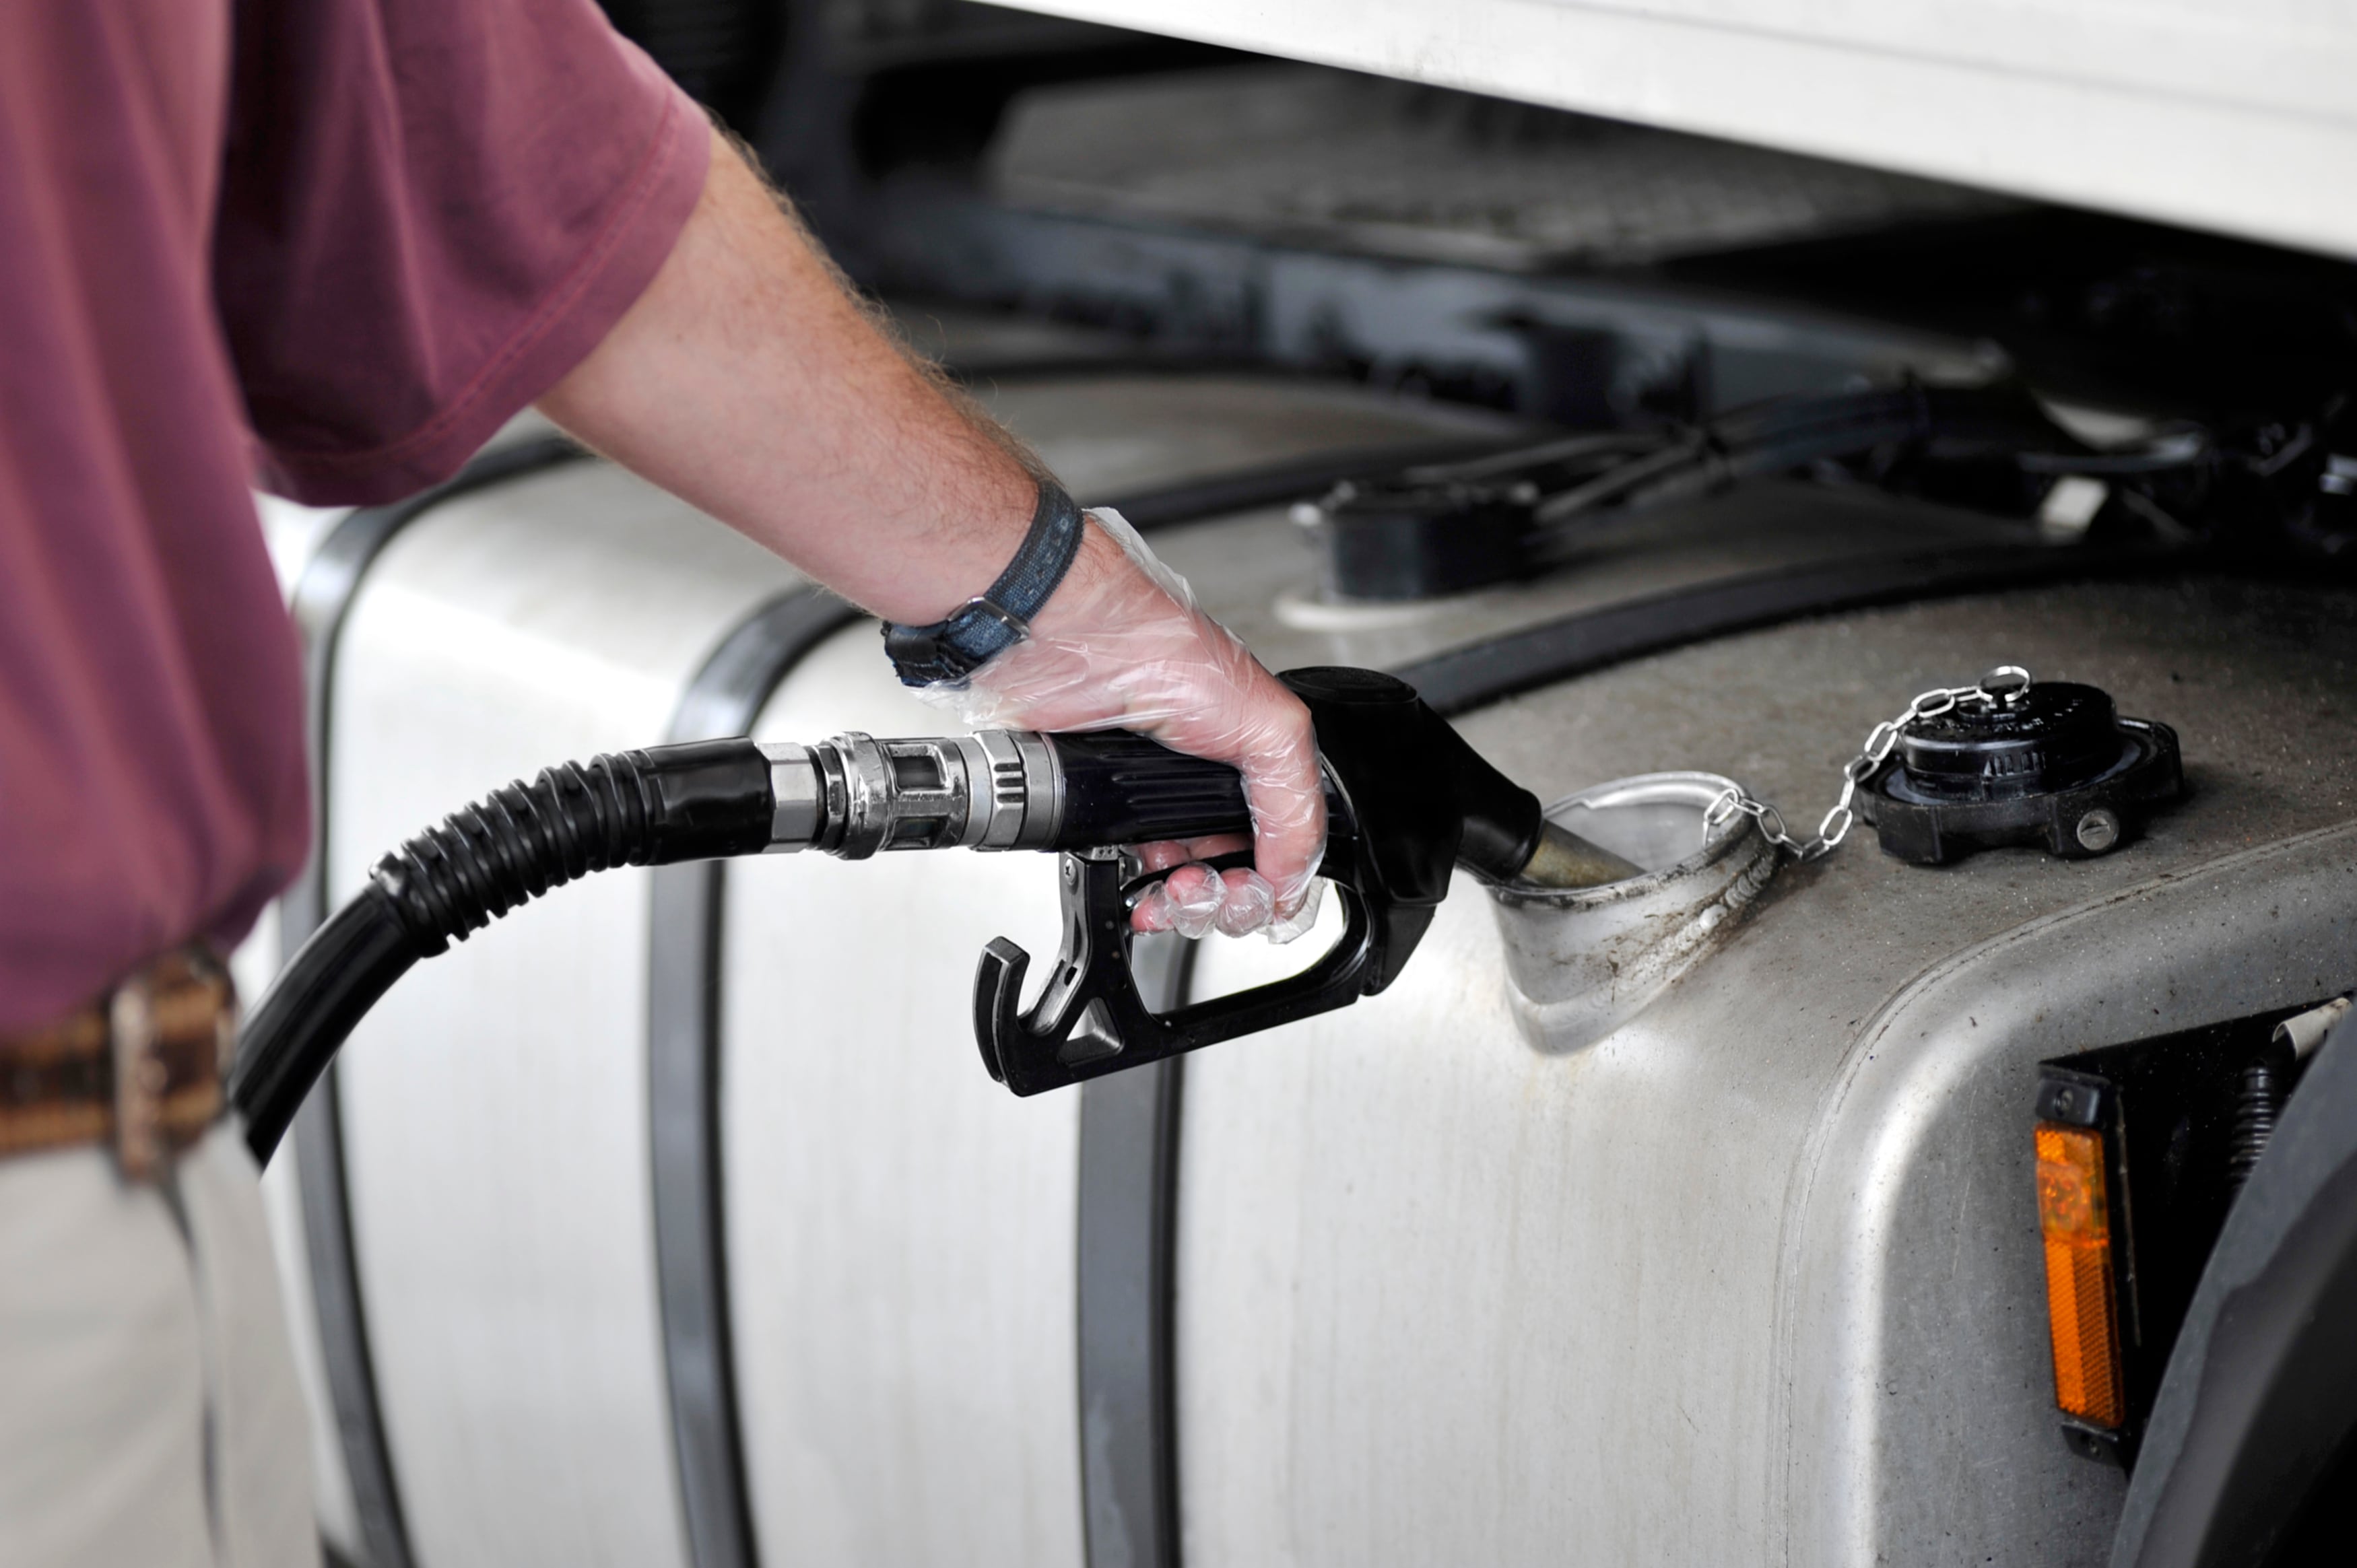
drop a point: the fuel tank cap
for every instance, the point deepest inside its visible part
(2051, 764)
(2056, 735)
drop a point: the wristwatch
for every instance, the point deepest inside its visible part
(954, 647)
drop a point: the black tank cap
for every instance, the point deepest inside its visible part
(2057, 735)
(2054, 766)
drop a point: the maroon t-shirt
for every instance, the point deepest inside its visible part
(324, 245)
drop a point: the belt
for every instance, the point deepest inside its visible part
(139, 1068)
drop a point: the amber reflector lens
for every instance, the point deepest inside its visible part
(2080, 1310)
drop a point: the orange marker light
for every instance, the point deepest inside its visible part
(2082, 1313)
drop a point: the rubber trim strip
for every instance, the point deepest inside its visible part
(1127, 1290)
(323, 597)
(684, 1043)
(1462, 679)
(1168, 506)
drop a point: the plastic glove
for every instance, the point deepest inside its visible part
(1122, 645)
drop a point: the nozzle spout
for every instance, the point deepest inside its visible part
(1564, 859)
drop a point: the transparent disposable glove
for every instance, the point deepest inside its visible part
(1122, 645)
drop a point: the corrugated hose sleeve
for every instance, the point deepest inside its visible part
(702, 800)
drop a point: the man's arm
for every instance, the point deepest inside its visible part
(748, 380)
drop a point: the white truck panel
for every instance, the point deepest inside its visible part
(2238, 119)
(1756, 1277)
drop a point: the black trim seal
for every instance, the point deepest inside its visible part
(684, 1094)
(1126, 1287)
(322, 598)
(1290, 480)
(1466, 678)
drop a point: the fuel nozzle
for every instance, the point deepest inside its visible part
(996, 790)
(854, 795)
(1407, 802)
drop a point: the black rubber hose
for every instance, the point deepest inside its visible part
(702, 800)
(326, 989)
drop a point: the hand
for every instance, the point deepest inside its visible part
(1120, 645)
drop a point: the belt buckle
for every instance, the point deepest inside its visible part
(139, 1076)
(146, 1011)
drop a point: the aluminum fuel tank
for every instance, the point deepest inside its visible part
(1750, 1276)
(1755, 1277)
(494, 1118)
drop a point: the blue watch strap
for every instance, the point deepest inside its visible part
(954, 647)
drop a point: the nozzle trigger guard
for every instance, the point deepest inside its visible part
(1406, 802)
(1091, 1020)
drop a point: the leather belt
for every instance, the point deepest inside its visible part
(140, 1069)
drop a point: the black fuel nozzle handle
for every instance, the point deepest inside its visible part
(1384, 750)
(1118, 788)
(1409, 800)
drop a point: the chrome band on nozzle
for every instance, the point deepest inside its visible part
(853, 796)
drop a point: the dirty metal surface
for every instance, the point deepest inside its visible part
(2255, 676)
(1756, 1277)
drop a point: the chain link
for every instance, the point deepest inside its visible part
(2001, 687)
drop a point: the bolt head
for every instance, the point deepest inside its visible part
(2098, 830)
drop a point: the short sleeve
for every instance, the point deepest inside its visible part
(430, 212)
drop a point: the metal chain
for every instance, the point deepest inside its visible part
(2001, 687)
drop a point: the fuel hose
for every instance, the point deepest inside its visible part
(695, 802)
(852, 796)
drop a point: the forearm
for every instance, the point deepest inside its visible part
(747, 381)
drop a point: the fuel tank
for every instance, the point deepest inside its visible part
(673, 1220)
